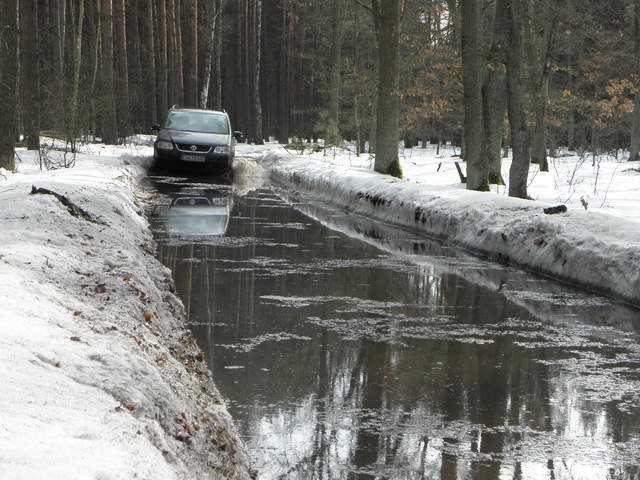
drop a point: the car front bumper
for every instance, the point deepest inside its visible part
(177, 159)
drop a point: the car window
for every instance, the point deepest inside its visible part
(202, 122)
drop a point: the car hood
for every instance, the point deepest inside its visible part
(180, 136)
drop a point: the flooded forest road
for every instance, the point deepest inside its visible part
(352, 350)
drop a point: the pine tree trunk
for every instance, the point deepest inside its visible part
(495, 94)
(519, 170)
(8, 81)
(335, 66)
(77, 62)
(174, 66)
(472, 68)
(149, 90)
(634, 144)
(245, 69)
(57, 42)
(152, 82)
(495, 106)
(387, 20)
(163, 59)
(257, 59)
(95, 27)
(284, 70)
(122, 70)
(217, 77)
(213, 9)
(30, 74)
(171, 53)
(542, 42)
(109, 119)
(191, 53)
(140, 116)
(539, 141)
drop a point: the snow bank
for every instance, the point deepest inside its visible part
(100, 379)
(588, 248)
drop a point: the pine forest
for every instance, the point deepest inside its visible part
(529, 75)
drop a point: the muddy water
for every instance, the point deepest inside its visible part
(363, 352)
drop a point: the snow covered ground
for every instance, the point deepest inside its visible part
(99, 377)
(594, 244)
(100, 380)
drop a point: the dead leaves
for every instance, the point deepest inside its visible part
(189, 428)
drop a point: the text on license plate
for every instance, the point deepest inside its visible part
(192, 158)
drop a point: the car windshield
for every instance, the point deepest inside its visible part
(203, 122)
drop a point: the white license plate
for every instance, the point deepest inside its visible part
(192, 158)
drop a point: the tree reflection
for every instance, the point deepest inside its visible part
(359, 364)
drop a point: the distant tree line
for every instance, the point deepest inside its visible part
(533, 75)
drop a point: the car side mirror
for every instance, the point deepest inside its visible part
(237, 134)
(156, 127)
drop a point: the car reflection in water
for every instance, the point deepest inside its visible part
(190, 222)
(198, 215)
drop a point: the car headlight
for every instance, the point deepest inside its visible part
(221, 149)
(164, 145)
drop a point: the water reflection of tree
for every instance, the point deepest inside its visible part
(456, 404)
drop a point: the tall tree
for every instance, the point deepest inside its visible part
(162, 58)
(338, 11)
(542, 36)
(217, 55)
(150, 89)
(257, 59)
(30, 73)
(57, 42)
(284, 84)
(634, 144)
(386, 17)
(519, 171)
(109, 120)
(74, 128)
(472, 79)
(494, 93)
(121, 65)
(213, 9)
(8, 80)
(176, 80)
(190, 48)
(137, 84)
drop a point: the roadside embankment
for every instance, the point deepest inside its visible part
(594, 250)
(100, 378)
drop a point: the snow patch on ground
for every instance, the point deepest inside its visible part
(100, 378)
(597, 248)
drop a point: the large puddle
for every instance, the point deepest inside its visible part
(365, 352)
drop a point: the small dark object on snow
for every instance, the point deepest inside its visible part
(556, 209)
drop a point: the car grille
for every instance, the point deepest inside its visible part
(188, 147)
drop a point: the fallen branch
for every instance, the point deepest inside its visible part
(73, 209)
(463, 179)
